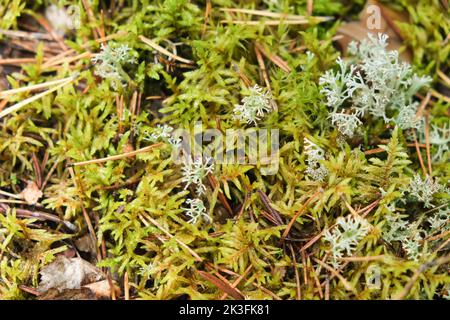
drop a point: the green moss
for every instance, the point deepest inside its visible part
(123, 199)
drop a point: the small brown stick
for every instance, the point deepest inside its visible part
(269, 14)
(374, 151)
(443, 245)
(87, 219)
(119, 156)
(126, 286)
(269, 217)
(366, 210)
(427, 142)
(43, 85)
(270, 293)
(265, 199)
(309, 7)
(313, 240)
(153, 97)
(299, 212)
(49, 174)
(336, 274)
(305, 267)
(17, 61)
(212, 180)
(424, 171)
(26, 35)
(53, 63)
(363, 259)
(23, 103)
(265, 75)
(349, 207)
(208, 10)
(267, 22)
(241, 211)
(23, 213)
(242, 76)
(37, 170)
(119, 110)
(11, 195)
(29, 290)
(297, 276)
(91, 18)
(3, 103)
(317, 283)
(444, 77)
(262, 67)
(436, 237)
(423, 105)
(101, 29)
(274, 58)
(222, 283)
(327, 289)
(436, 94)
(44, 23)
(417, 274)
(237, 281)
(157, 47)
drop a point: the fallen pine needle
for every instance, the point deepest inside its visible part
(29, 100)
(273, 14)
(164, 51)
(119, 156)
(47, 84)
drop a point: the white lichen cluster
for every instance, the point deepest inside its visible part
(314, 154)
(440, 138)
(163, 133)
(253, 107)
(194, 171)
(109, 64)
(377, 83)
(424, 190)
(196, 211)
(440, 221)
(345, 237)
(411, 236)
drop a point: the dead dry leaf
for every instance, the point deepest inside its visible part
(101, 289)
(68, 273)
(31, 194)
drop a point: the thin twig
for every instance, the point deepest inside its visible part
(298, 213)
(157, 47)
(29, 100)
(119, 156)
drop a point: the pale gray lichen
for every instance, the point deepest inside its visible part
(314, 154)
(424, 190)
(377, 83)
(345, 237)
(196, 211)
(109, 64)
(194, 171)
(254, 106)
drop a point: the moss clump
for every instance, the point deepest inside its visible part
(285, 235)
